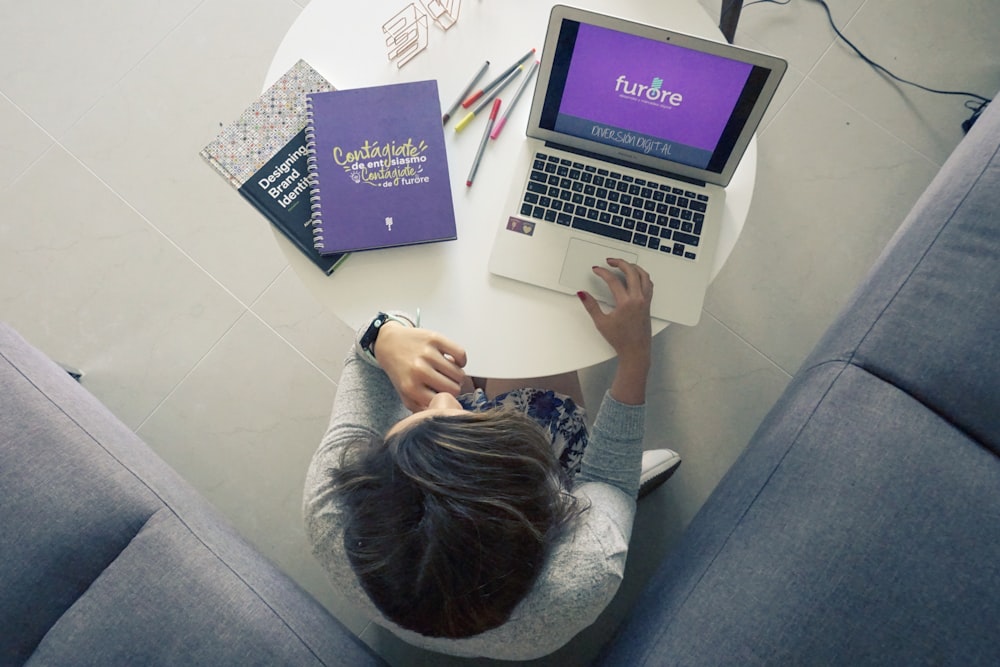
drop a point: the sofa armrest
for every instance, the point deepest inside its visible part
(926, 318)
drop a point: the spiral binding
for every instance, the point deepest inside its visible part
(311, 167)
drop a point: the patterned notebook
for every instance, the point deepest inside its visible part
(263, 155)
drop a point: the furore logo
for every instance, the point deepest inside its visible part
(652, 93)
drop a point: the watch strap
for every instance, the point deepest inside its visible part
(366, 342)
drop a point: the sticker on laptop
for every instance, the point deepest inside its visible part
(521, 226)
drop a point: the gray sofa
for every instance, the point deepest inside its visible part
(862, 523)
(110, 558)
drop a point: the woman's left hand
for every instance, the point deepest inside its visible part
(420, 363)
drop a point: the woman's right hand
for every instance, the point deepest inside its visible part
(626, 327)
(420, 363)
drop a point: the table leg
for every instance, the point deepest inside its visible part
(729, 17)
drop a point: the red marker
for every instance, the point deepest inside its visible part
(475, 96)
(482, 144)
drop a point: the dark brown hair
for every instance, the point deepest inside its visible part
(449, 521)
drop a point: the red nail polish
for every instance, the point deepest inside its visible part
(581, 295)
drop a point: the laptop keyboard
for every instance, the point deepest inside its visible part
(640, 211)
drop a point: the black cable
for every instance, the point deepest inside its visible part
(976, 104)
(883, 69)
(757, 2)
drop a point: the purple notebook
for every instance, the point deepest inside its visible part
(379, 168)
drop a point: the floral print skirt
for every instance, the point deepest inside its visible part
(557, 414)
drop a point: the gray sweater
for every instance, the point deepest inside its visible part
(583, 570)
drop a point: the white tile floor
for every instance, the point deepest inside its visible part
(121, 252)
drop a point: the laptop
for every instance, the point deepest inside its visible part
(633, 134)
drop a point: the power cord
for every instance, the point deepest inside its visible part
(976, 104)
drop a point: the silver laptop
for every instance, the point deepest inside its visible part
(633, 135)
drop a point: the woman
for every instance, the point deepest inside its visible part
(450, 518)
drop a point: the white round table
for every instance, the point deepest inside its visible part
(509, 329)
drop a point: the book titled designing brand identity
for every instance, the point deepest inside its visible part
(263, 155)
(378, 166)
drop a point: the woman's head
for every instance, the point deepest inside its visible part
(449, 520)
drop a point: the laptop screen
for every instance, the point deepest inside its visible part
(650, 97)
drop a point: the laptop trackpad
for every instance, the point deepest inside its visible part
(577, 272)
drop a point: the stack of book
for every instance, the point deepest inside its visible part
(339, 171)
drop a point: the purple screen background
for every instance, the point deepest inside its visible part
(711, 86)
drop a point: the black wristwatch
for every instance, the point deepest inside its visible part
(368, 339)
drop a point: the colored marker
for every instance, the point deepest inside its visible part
(465, 93)
(482, 144)
(513, 100)
(489, 98)
(472, 99)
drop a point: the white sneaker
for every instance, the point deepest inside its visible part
(657, 467)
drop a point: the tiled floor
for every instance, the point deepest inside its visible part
(121, 253)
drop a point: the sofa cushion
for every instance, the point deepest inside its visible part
(111, 558)
(149, 607)
(857, 526)
(68, 510)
